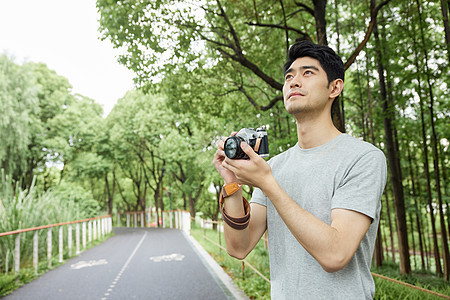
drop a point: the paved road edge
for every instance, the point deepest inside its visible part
(217, 270)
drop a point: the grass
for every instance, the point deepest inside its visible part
(257, 288)
(253, 285)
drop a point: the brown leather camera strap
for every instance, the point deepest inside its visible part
(230, 189)
(258, 143)
(236, 223)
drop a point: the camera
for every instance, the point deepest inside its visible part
(257, 139)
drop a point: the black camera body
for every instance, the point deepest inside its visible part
(257, 139)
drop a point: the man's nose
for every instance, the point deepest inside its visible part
(295, 82)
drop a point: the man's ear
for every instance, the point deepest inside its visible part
(336, 87)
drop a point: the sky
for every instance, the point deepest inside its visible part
(63, 34)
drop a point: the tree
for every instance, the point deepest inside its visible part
(19, 107)
(161, 36)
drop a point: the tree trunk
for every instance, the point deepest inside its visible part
(445, 10)
(445, 247)
(321, 23)
(394, 164)
(416, 208)
(435, 163)
(391, 224)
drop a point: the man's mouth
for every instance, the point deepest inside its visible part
(295, 93)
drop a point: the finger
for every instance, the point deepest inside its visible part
(227, 164)
(248, 150)
(221, 144)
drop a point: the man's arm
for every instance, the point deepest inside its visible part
(331, 245)
(239, 242)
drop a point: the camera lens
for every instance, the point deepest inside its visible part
(231, 146)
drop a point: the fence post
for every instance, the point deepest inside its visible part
(35, 251)
(83, 230)
(49, 247)
(204, 228)
(60, 244)
(220, 239)
(17, 255)
(142, 219)
(118, 219)
(187, 222)
(99, 229)
(90, 231)
(94, 229)
(128, 220)
(77, 239)
(69, 239)
(135, 219)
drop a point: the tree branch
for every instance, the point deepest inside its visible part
(277, 26)
(306, 8)
(373, 17)
(252, 101)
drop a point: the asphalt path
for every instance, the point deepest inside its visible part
(136, 263)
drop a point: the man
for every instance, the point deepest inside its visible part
(319, 200)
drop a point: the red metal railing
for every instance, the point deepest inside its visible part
(96, 228)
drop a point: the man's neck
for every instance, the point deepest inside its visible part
(314, 133)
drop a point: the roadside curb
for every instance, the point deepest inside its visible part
(216, 270)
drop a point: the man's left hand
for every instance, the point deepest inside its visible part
(254, 172)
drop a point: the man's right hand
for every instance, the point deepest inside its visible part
(219, 157)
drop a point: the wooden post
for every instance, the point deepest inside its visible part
(83, 226)
(220, 240)
(49, 247)
(94, 229)
(69, 239)
(77, 239)
(90, 231)
(60, 244)
(35, 251)
(17, 255)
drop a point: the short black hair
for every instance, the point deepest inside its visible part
(330, 62)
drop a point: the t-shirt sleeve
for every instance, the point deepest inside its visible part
(363, 184)
(259, 197)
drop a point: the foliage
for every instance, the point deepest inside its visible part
(26, 208)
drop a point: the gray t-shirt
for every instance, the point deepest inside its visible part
(344, 173)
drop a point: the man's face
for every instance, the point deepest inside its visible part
(306, 88)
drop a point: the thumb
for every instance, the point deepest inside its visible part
(248, 150)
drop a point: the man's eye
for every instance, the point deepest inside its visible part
(289, 76)
(308, 72)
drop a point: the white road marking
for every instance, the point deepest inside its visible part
(125, 265)
(170, 257)
(86, 264)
